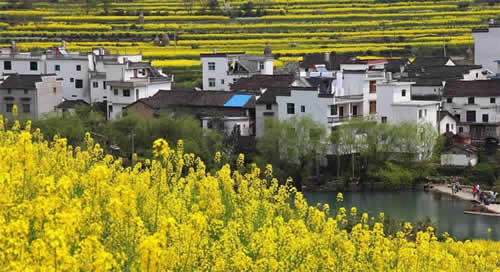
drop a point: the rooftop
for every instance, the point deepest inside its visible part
(416, 103)
(466, 88)
(257, 82)
(16, 81)
(419, 62)
(71, 104)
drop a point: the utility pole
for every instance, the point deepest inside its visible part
(132, 135)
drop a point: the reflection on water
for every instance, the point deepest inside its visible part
(412, 206)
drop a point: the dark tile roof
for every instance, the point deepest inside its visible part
(332, 60)
(163, 99)
(429, 61)
(323, 84)
(16, 81)
(467, 148)
(394, 65)
(258, 82)
(269, 96)
(71, 104)
(442, 114)
(450, 71)
(221, 54)
(465, 88)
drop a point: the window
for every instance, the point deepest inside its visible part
(71, 80)
(110, 108)
(373, 86)
(452, 126)
(471, 116)
(460, 129)
(302, 108)
(449, 100)
(126, 92)
(9, 91)
(471, 100)
(211, 66)
(95, 84)
(269, 106)
(33, 65)
(425, 112)
(104, 85)
(136, 93)
(26, 108)
(211, 82)
(261, 66)
(373, 107)
(403, 92)
(115, 91)
(419, 114)
(57, 67)
(79, 83)
(222, 81)
(485, 118)
(457, 116)
(7, 65)
(384, 119)
(9, 107)
(492, 100)
(333, 110)
(477, 75)
(54, 89)
(447, 127)
(78, 67)
(25, 91)
(290, 108)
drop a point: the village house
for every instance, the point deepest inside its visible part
(476, 107)
(459, 155)
(94, 77)
(34, 95)
(486, 41)
(224, 111)
(220, 70)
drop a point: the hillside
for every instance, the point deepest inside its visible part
(291, 27)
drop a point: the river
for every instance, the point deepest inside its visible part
(411, 206)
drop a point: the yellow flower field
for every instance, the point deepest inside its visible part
(67, 208)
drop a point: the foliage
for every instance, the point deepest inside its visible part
(395, 175)
(75, 209)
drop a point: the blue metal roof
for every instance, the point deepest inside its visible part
(321, 69)
(238, 100)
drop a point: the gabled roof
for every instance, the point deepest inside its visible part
(466, 88)
(331, 60)
(257, 82)
(394, 65)
(269, 96)
(71, 104)
(442, 114)
(163, 99)
(16, 81)
(464, 148)
(429, 61)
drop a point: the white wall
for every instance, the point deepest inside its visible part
(456, 160)
(425, 90)
(220, 73)
(49, 95)
(486, 48)
(67, 72)
(452, 124)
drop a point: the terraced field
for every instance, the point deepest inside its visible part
(291, 27)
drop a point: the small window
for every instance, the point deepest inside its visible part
(290, 108)
(104, 85)
(373, 86)
(25, 91)
(54, 90)
(115, 91)
(457, 116)
(403, 92)
(485, 118)
(33, 65)
(78, 67)
(211, 66)
(95, 84)
(26, 108)
(492, 100)
(9, 91)
(211, 82)
(79, 83)
(333, 110)
(477, 75)
(7, 65)
(425, 112)
(57, 67)
(110, 108)
(460, 129)
(269, 106)
(419, 114)
(449, 100)
(302, 108)
(9, 107)
(471, 100)
(261, 66)
(126, 92)
(384, 119)
(471, 116)
(222, 81)
(71, 80)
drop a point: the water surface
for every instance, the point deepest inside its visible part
(411, 206)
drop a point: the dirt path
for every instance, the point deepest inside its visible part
(466, 195)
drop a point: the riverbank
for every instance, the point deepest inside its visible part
(465, 194)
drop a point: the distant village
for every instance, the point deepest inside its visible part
(458, 97)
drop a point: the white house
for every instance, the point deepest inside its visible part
(446, 122)
(220, 70)
(475, 105)
(486, 43)
(394, 105)
(97, 76)
(34, 95)
(459, 155)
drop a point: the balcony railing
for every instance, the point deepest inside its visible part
(339, 119)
